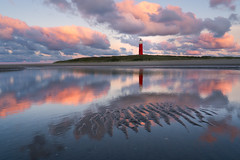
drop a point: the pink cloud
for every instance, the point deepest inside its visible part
(9, 26)
(6, 33)
(207, 44)
(6, 22)
(159, 21)
(167, 46)
(227, 3)
(208, 41)
(55, 38)
(193, 52)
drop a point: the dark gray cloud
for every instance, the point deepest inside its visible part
(20, 50)
(166, 16)
(225, 3)
(234, 18)
(125, 52)
(61, 5)
(23, 50)
(216, 98)
(95, 7)
(130, 39)
(219, 26)
(105, 11)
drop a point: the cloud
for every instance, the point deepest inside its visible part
(166, 16)
(26, 52)
(54, 38)
(220, 128)
(130, 39)
(193, 52)
(42, 54)
(234, 18)
(95, 7)
(133, 40)
(189, 45)
(166, 46)
(159, 21)
(53, 93)
(62, 5)
(225, 3)
(219, 26)
(106, 11)
(24, 40)
(148, 19)
(208, 41)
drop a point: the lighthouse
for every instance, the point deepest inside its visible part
(140, 47)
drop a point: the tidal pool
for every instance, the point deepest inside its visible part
(119, 113)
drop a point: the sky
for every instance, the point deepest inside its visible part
(51, 30)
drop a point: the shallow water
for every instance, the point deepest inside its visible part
(119, 113)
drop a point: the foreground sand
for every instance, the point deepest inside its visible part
(217, 63)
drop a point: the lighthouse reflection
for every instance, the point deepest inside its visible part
(140, 79)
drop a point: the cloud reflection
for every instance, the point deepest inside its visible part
(96, 125)
(84, 86)
(44, 89)
(140, 110)
(41, 148)
(220, 128)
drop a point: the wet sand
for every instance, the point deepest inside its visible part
(217, 63)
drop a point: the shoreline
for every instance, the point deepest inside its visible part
(216, 63)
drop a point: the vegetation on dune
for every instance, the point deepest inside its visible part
(139, 58)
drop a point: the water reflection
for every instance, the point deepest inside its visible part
(96, 125)
(220, 128)
(98, 103)
(132, 112)
(140, 79)
(40, 148)
(21, 90)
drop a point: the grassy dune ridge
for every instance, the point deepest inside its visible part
(140, 58)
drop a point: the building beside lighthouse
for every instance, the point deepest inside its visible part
(140, 47)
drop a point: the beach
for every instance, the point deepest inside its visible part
(216, 63)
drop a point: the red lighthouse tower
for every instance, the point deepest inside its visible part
(140, 47)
